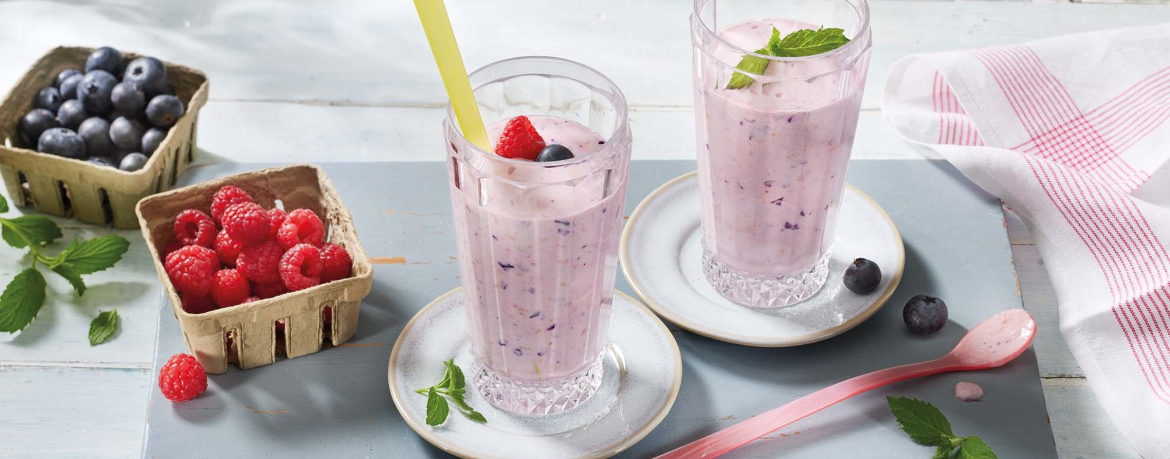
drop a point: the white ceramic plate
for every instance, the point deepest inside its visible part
(643, 370)
(661, 251)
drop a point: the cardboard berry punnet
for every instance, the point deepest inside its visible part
(77, 189)
(247, 334)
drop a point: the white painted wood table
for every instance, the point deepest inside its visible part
(319, 81)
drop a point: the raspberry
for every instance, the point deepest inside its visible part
(260, 262)
(269, 290)
(519, 140)
(198, 304)
(227, 249)
(246, 223)
(301, 227)
(277, 217)
(230, 288)
(191, 269)
(226, 197)
(193, 227)
(251, 299)
(335, 262)
(300, 267)
(170, 247)
(182, 378)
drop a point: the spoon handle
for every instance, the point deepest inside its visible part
(733, 437)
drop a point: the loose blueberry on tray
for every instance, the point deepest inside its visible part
(925, 314)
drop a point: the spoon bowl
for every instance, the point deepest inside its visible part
(997, 340)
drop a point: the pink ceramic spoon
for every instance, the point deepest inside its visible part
(994, 342)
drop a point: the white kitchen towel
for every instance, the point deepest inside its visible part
(1070, 132)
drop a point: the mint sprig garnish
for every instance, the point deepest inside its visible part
(452, 387)
(926, 425)
(25, 294)
(804, 42)
(103, 327)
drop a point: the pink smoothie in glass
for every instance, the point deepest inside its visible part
(539, 263)
(772, 156)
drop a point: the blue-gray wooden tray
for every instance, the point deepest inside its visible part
(335, 403)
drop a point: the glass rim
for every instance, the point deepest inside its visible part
(862, 9)
(619, 103)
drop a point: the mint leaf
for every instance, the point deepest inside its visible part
(67, 271)
(750, 64)
(974, 448)
(808, 42)
(943, 451)
(94, 255)
(437, 408)
(3, 204)
(456, 381)
(29, 230)
(103, 327)
(21, 300)
(475, 416)
(925, 424)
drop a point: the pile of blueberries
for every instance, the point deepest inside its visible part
(97, 117)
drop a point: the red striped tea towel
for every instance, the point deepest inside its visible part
(1067, 132)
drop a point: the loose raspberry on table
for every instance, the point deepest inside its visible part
(277, 217)
(230, 288)
(301, 227)
(191, 269)
(227, 196)
(193, 227)
(335, 263)
(198, 304)
(227, 249)
(182, 378)
(170, 248)
(300, 267)
(261, 262)
(269, 290)
(519, 140)
(246, 223)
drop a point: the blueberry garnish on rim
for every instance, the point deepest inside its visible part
(554, 152)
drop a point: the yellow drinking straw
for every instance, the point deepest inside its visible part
(438, 28)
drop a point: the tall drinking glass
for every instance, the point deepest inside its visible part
(772, 155)
(538, 240)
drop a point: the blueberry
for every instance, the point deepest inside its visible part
(163, 111)
(101, 161)
(925, 314)
(152, 139)
(128, 98)
(127, 133)
(71, 114)
(104, 58)
(33, 123)
(95, 131)
(48, 99)
(94, 91)
(148, 73)
(862, 276)
(68, 88)
(554, 152)
(61, 142)
(132, 162)
(63, 75)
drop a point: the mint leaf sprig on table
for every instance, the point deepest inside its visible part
(804, 42)
(25, 294)
(926, 425)
(451, 386)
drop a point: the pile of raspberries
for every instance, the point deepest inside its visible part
(243, 253)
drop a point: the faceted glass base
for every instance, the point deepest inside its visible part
(765, 291)
(546, 397)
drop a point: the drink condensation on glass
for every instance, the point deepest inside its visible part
(772, 156)
(538, 241)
